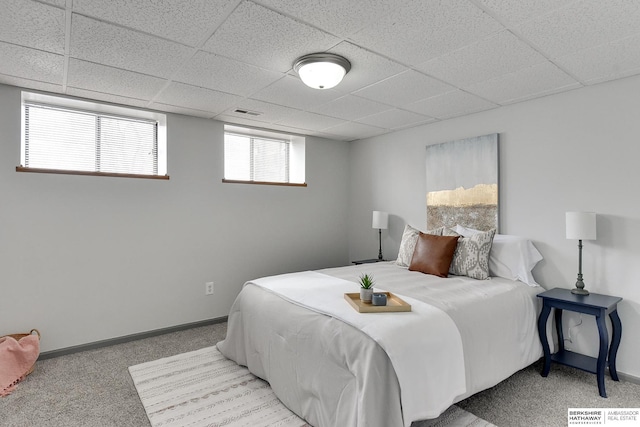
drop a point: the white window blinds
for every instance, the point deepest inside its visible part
(76, 140)
(249, 158)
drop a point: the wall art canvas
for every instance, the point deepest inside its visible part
(462, 183)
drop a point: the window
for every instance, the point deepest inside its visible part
(71, 136)
(248, 158)
(254, 156)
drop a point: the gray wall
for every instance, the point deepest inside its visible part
(90, 258)
(573, 151)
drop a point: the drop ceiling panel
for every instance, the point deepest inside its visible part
(269, 32)
(404, 88)
(30, 84)
(59, 3)
(451, 104)
(350, 107)
(395, 119)
(259, 111)
(424, 29)
(309, 121)
(515, 12)
(224, 74)
(352, 130)
(288, 129)
(582, 25)
(605, 62)
(106, 97)
(32, 24)
(243, 120)
(168, 19)
(338, 17)
(261, 125)
(100, 78)
(187, 96)
(291, 92)
(538, 80)
(366, 67)
(498, 54)
(108, 44)
(180, 110)
(331, 136)
(31, 63)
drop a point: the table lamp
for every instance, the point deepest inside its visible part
(380, 221)
(580, 226)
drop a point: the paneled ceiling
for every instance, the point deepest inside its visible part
(413, 61)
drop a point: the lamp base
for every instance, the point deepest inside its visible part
(577, 291)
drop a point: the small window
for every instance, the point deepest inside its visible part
(71, 136)
(262, 157)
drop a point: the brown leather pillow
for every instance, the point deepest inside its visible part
(433, 254)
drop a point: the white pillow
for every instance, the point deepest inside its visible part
(465, 231)
(446, 231)
(511, 257)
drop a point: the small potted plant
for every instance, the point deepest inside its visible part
(366, 288)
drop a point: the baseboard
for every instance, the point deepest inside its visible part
(120, 340)
(630, 378)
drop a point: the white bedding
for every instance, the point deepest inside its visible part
(333, 374)
(401, 335)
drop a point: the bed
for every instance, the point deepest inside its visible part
(335, 367)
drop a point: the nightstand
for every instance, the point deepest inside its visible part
(596, 305)
(368, 261)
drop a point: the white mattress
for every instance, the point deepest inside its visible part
(333, 374)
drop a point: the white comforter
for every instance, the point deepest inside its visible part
(333, 374)
(401, 335)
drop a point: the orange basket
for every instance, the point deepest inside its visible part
(17, 337)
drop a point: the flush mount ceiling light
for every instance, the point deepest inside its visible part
(321, 70)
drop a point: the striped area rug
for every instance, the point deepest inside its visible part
(204, 388)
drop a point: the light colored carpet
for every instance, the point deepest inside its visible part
(454, 417)
(93, 388)
(202, 388)
(528, 399)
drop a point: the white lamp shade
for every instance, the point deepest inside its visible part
(581, 225)
(321, 75)
(380, 220)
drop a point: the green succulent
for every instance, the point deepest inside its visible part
(366, 281)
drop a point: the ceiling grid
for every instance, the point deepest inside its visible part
(412, 61)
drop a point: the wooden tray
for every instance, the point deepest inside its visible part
(394, 304)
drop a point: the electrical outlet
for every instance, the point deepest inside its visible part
(208, 288)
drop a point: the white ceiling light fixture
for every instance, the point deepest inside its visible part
(321, 70)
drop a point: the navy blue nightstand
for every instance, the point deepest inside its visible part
(595, 304)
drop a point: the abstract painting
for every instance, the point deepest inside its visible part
(462, 183)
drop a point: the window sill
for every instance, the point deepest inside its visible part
(282, 184)
(71, 172)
